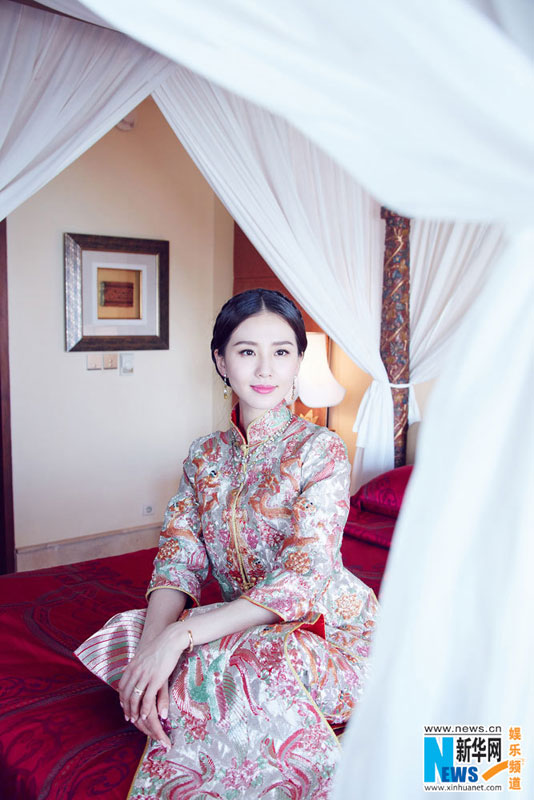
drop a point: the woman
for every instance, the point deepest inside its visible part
(256, 681)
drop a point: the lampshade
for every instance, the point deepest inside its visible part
(317, 387)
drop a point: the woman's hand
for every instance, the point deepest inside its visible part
(144, 688)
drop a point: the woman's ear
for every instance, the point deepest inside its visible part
(219, 360)
(299, 363)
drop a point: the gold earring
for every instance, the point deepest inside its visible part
(294, 390)
(225, 387)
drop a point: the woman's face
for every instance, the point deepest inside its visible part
(260, 360)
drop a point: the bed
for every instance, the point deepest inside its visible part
(62, 734)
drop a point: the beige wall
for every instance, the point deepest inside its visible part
(91, 448)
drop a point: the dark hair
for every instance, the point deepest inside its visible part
(241, 306)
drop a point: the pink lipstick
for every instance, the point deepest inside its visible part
(261, 389)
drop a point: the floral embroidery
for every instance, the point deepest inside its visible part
(240, 776)
(195, 728)
(158, 769)
(313, 737)
(298, 562)
(210, 533)
(143, 797)
(337, 449)
(169, 549)
(252, 537)
(348, 605)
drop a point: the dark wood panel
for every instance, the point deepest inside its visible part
(7, 533)
(251, 271)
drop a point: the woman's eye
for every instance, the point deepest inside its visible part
(246, 352)
(282, 352)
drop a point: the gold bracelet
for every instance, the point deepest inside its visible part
(191, 643)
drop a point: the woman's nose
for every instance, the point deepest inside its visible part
(264, 368)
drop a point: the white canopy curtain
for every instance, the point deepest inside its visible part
(449, 265)
(322, 235)
(455, 643)
(381, 87)
(428, 105)
(462, 147)
(316, 227)
(63, 85)
(341, 251)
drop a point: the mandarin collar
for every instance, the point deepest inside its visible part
(273, 421)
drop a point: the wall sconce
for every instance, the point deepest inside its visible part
(317, 387)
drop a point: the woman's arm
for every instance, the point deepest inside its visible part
(180, 567)
(162, 646)
(239, 615)
(164, 608)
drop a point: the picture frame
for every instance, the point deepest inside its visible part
(116, 293)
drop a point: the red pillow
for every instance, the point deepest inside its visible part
(383, 494)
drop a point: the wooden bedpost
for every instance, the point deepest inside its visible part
(395, 325)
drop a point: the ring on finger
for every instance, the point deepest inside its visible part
(137, 690)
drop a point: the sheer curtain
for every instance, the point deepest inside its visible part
(374, 419)
(316, 227)
(449, 264)
(455, 643)
(63, 84)
(426, 104)
(340, 251)
(322, 234)
(429, 107)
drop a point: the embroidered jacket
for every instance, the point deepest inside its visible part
(267, 512)
(251, 714)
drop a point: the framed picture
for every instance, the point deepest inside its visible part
(116, 293)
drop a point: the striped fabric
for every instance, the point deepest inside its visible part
(107, 652)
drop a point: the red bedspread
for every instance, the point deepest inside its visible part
(61, 731)
(62, 734)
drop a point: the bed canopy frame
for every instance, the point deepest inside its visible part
(394, 345)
